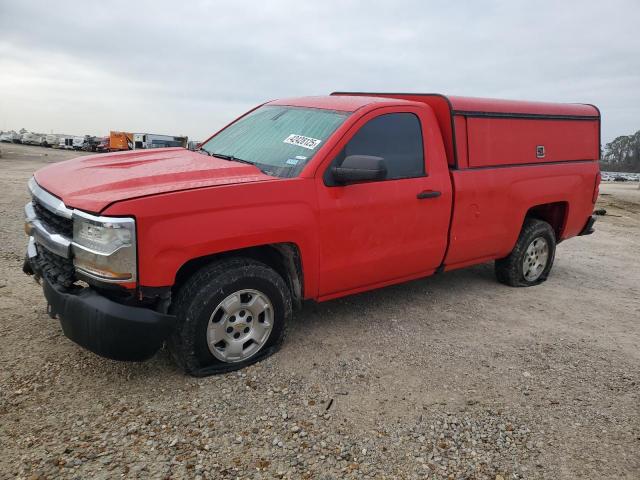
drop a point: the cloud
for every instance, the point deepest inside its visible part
(188, 67)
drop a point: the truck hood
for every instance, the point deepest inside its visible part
(93, 182)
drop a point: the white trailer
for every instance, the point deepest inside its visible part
(151, 140)
(66, 142)
(10, 137)
(31, 138)
(52, 140)
(78, 143)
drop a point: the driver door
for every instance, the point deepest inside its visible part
(383, 231)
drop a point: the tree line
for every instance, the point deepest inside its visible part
(622, 154)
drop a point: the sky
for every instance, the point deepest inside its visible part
(190, 67)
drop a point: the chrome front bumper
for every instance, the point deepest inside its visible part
(32, 250)
(39, 233)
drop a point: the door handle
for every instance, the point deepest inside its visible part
(428, 194)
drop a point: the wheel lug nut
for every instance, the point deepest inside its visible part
(229, 329)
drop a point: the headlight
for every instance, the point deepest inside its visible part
(104, 248)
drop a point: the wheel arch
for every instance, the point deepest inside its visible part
(554, 213)
(284, 258)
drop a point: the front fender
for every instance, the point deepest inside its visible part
(174, 228)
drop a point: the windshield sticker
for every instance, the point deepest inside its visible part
(300, 157)
(292, 161)
(302, 141)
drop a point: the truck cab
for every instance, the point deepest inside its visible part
(309, 198)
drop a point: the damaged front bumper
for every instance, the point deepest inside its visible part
(93, 321)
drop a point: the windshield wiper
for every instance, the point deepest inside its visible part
(221, 155)
(236, 159)
(228, 157)
(231, 158)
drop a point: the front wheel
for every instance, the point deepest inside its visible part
(531, 259)
(230, 314)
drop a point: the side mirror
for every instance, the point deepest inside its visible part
(359, 168)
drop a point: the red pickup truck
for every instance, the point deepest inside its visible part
(306, 198)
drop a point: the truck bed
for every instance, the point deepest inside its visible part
(490, 205)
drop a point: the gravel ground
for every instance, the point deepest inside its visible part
(455, 376)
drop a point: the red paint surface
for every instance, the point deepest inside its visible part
(495, 105)
(490, 205)
(356, 237)
(498, 141)
(91, 183)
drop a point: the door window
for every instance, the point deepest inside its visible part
(396, 137)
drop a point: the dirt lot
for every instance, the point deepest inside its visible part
(455, 376)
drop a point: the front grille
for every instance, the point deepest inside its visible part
(55, 268)
(53, 222)
(58, 270)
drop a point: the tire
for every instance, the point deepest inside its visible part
(244, 286)
(526, 265)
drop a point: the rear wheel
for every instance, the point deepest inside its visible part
(532, 257)
(231, 314)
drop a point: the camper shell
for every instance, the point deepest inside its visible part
(488, 132)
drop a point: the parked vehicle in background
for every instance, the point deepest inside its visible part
(19, 136)
(193, 145)
(141, 141)
(120, 141)
(10, 136)
(51, 140)
(306, 198)
(620, 176)
(102, 145)
(79, 142)
(31, 138)
(66, 142)
(150, 140)
(91, 143)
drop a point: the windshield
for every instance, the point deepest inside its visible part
(279, 140)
